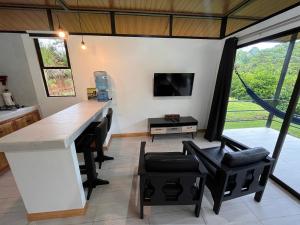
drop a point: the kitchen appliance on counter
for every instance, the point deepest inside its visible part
(9, 103)
(103, 86)
(8, 98)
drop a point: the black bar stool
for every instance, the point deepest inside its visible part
(109, 120)
(99, 148)
(84, 144)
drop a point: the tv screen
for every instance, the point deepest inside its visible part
(173, 84)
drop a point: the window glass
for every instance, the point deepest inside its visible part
(55, 67)
(53, 52)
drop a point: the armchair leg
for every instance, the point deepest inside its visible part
(258, 196)
(141, 211)
(217, 207)
(142, 181)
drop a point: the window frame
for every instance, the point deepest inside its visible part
(42, 66)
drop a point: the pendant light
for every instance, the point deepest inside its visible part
(60, 32)
(82, 44)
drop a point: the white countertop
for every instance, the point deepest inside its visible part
(10, 114)
(56, 131)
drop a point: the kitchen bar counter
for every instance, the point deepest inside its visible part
(43, 160)
(56, 131)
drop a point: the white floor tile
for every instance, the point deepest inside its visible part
(117, 203)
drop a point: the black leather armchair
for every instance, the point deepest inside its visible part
(171, 178)
(234, 170)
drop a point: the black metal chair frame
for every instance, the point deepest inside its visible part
(159, 179)
(218, 182)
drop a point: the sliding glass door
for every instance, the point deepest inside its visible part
(261, 92)
(287, 168)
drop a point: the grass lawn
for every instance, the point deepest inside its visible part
(259, 118)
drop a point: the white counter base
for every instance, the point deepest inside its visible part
(43, 160)
(48, 180)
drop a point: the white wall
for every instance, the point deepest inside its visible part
(131, 63)
(13, 63)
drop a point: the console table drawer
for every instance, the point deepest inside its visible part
(189, 129)
(174, 130)
(158, 130)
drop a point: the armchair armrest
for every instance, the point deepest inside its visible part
(141, 169)
(189, 149)
(202, 154)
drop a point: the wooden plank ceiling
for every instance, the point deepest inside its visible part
(178, 18)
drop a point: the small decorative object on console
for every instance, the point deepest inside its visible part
(172, 117)
(91, 93)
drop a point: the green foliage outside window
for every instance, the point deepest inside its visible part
(56, 67)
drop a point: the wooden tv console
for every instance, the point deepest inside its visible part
(186, 124)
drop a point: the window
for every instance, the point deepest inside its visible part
(55, 65)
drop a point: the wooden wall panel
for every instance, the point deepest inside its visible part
(29, 2)
(142, 25)
(88, 3)
(187, 6)
(264, 8)
(22, 20)
(204, 6)
(91, 22)
(196, 27)
(144, 5)
(236, 24)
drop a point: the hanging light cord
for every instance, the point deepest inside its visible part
(79, 20)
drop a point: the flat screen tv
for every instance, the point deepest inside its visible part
(173, 84)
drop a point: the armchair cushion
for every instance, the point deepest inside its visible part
(170, 162)
(244, 157)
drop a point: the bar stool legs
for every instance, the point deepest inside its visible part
(106, 157)
(92, 180)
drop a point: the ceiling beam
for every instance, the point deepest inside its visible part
(171, 25)
(50, 19)
(112, 23)
(63, 6)
(223, 27)
(238, 7)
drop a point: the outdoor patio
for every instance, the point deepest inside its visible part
(288, 165)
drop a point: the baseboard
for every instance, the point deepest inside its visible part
(137, 134)
(4, 169)
(201, 130)
(56, 214)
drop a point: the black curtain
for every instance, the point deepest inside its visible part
(217, 114)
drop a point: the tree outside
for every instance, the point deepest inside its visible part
(260, 67)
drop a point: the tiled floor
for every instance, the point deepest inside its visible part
(116, 203)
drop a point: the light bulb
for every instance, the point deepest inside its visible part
(83, 46)
(61, 33)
